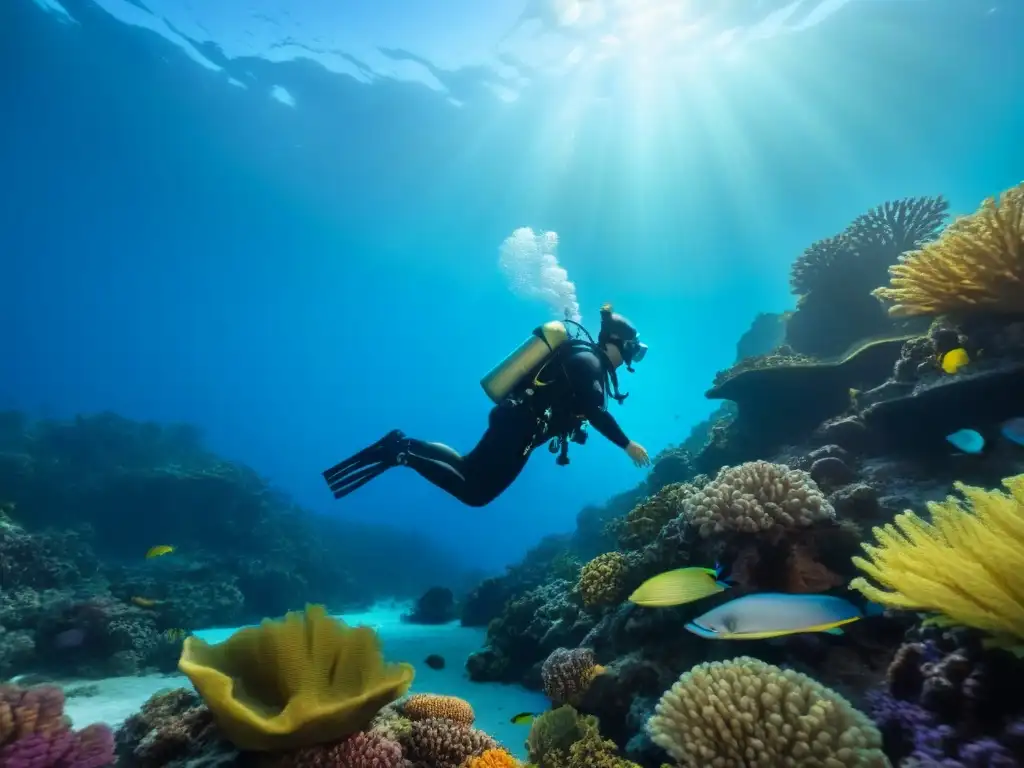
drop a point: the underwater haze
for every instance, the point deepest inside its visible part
(282, 222)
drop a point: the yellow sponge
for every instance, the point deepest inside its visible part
(307, 679)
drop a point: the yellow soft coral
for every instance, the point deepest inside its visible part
(747, 713)
(305, 680)
(492, 758)
(602, 580)
(965, 565)
(976, 265)
(424, 705)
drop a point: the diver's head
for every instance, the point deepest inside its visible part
(619, 339)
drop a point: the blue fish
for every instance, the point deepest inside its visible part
(972, 441)
(773, 614)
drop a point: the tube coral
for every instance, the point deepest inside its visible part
(746, 712)
(965, 565)
(976, 265)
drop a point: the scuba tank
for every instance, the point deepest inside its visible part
(504, 377)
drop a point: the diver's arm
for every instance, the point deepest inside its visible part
(587, 376)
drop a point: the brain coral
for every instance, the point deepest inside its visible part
(422, 706)
(747, 713)
(568, 673)
(756, 496)
(603, 580)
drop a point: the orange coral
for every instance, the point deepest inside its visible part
(492, 758)
(422, 706)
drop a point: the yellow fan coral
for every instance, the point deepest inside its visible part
(965, 565)
(976, 265)
(305, 680)
(746, 712)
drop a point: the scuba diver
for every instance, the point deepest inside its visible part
(544, 392)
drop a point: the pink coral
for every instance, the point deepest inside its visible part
(35, 734)
(361, 750)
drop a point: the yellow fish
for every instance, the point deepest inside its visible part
(954, 360)
(683, 585)
(145, 602)
(523, 718)
(159, 551)
(175, 634)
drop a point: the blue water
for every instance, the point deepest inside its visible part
(281, 221)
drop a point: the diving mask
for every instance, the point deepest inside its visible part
(633, 350)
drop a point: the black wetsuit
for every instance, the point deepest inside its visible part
(572, 387)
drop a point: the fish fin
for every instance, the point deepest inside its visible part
(834, 631)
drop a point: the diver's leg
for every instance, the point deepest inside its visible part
(480, 476)
(360, 468)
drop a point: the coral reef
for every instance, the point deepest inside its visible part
(603, 580)
(35, 734)
(747, 712)
(567, 674)
(440, 743)
(173, 729)
(976, 265)
(424, 706)
(304, 680)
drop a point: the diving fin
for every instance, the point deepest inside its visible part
(360, 468)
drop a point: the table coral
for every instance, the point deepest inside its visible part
(746, 712)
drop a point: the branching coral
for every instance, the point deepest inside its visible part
(305, 680)
(746, 712)
(566, 674)
(602, 580)
(35, 734)
(422, 706)
(757, 496)
(977, 265)
(443, 743)
(965, 565)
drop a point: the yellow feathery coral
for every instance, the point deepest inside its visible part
(965, 565)
(746, 712)
(602, 580)
(304, 680)
(976, 265)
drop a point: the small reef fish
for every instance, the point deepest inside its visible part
(145, 602)
(972, 441)
(523, 718)
(175, 634)
(159, 551)
(770, 614)
(954, 360)
(683, 585)
(434, 661)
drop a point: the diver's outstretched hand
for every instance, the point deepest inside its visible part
(638, 454)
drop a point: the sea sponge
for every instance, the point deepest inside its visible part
(755, 497)
(567, 674)
(965, 565)
(360, 750)
(744, 712)
(492, 758)
(304, 680)
(441, 743)
(976, 265)
(603, 580)
(644, 522)
(422, 706)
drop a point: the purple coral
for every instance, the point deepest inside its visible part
(35, 734)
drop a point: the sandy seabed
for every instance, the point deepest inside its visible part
(118, 697)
